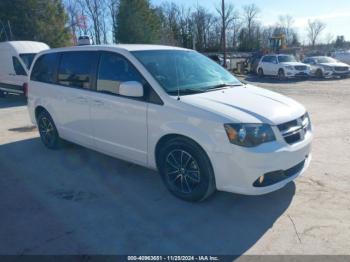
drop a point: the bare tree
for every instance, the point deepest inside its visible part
(170, 14)
(250, 14)
(250, 34)
(227, 15)
(203, 21)
(113, 6)
(285, 23)
(314, 29)
(73, 10)
(329, 39)
(95, 10)
(235, 27)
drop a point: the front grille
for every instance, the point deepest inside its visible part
(279, 175)
(341, 68)
(295, 130)
(300, 67)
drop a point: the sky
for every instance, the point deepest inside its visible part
(334, 13)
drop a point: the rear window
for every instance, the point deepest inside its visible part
(45, 68)
(76, 69)
(18, 67)
(27, 59)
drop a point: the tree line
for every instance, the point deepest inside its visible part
(60, 22)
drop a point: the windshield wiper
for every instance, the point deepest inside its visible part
(221, 86)
(187, 91)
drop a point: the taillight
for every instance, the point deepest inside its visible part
(25, 89)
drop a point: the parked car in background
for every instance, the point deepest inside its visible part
(220, 60)
(16, 58)
(84, 40)
(342, 56)
(324, 66)
(282, 66)
(173, 110)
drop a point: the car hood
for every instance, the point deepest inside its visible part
(248, 104)
(293, 64)
(334, 64)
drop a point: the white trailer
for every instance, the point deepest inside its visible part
(342, 56)
(15, 60)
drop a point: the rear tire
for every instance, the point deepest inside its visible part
(48, 131)
(186, 170)
(2, 94)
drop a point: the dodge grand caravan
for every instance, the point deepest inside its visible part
(172, 110)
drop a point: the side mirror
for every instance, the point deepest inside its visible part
(131, 89)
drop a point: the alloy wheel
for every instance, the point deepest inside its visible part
(182, 171)
(47, 131)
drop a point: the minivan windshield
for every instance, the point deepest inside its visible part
(27, 59)
(286, 58)
(185, 71)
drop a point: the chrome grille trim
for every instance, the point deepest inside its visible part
(300, 67)
(341, 68)
(295, 130)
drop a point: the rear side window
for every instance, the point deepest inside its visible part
(113, 70)
(27, 59)
(19, 70)
(267, 59)
(44, 69)
(76, 69)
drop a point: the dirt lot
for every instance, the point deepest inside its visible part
(76, 201)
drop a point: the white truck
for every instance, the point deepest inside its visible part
(16, 58)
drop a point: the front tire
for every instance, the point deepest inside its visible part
(2, 94)
(260, 73)
(281, 75)
(319, 73)
(48, 131)
(186, 170)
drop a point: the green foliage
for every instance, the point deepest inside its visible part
(37, 20)
(137, 22)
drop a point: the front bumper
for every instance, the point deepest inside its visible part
(333, 73)
(336, 73)
(297, 73)
(238, 170)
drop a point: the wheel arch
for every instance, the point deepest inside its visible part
(165, 138)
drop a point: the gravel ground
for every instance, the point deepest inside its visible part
(77, 201)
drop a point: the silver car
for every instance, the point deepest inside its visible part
(324, 66)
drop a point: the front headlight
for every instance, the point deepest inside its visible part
(289, 67)
(249, 135)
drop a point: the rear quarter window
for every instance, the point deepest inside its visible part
(44, 69)
(266, 59)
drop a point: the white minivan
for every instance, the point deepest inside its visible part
(16, 58)
(172, 110)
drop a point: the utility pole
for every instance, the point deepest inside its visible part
(223, 30)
